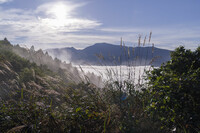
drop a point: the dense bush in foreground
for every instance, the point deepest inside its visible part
(175, 91)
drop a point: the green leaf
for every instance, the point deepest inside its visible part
(78, 109)
(86, 111)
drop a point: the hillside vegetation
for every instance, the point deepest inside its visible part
(37, 98)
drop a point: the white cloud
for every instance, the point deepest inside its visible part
(4, 1)
(49, 8)
(59, 16)
(42, 26)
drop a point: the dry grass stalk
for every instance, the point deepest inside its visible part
(152, 47)
(139, 40)
(121, 43)
(144, 40)
(128, 52)
(133, 50)
(150, 36)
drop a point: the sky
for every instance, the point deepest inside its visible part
(81, 23)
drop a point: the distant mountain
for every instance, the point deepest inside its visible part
(109, 54)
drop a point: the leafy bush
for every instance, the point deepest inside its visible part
(25, 116)
(174, 89)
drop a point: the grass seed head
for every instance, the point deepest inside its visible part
(150, 36)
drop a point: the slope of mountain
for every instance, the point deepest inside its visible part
(108, 54)
(18, 75)
(70, 73)
(35, 72)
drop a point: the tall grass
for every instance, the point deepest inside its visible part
(130, 59)
(122, 101)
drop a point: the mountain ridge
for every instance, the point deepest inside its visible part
(90, 55)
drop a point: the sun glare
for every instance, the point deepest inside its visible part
(60, 18)
(60, 14)
(60, 11)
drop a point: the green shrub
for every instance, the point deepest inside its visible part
(174, 89)
(26, 116)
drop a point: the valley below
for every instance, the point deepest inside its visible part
(133, 74)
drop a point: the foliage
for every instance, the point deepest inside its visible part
(85, 110)
(174, 89)
(27, 116)
(170, 100)
(5, 42)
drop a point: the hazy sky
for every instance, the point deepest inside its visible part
(80, 23)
